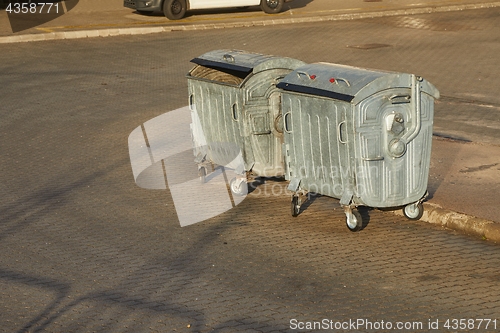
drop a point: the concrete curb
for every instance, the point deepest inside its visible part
(150, 30)
(461, 222)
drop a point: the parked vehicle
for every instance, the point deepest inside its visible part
(176, 9)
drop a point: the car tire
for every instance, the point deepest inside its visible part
(174, 9)
(272, 6)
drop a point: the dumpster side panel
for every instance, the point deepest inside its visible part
(317, 156)
(383, 180)
(218, 111)
(378, 177)
(262, 109)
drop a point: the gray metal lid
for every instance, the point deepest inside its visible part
(346, 83)
(245, 62)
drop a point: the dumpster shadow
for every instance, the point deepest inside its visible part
(365, 215)
(272, 186)
(442, 160)
(311, 197)
(308, 201)
(445, 147)
(254, 184)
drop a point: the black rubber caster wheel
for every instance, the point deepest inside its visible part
(295, 206)
(354, 221)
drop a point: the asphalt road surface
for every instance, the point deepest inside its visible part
(84, 249)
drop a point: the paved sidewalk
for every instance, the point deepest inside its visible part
(463, 185)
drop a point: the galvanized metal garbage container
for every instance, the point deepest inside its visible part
(236, 111)
(362, 136)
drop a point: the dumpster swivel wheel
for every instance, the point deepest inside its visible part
(353, 220)
(202, 172)
(238, 186)
(414, 211)
(295, 205)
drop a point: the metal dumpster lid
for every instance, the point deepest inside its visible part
(245, 62)
(346, 83)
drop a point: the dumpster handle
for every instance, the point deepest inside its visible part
(285, 127)
(191, 102)
(371, 159)
(343, 80)
(228, 58)
(415, 108)
(233, 112)
(397, 99)
(302, 74)
(339, 132)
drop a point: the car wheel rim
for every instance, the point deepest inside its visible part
(176, 7)
(272, 3)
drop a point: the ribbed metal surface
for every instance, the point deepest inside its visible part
(213, 108)
(234, 95)
(340, 147)
(390, 181)
(316, 157)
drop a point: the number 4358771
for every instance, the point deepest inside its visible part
(33, 8)
(470, 324)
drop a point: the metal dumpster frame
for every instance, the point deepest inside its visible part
(233, 96)
(358, 135)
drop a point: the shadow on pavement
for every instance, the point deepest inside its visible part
(296, 4)
(146, 289)
(440, 167)
(27, 15)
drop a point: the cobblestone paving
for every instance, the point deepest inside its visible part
(252, 269)
(83, 249)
